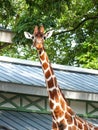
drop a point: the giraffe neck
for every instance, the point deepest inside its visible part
(58, 104)
(63, 116)
(50, 78)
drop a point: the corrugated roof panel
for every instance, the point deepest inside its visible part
(21, 123)
(6, 70)
(77, 81)
(33, 75)
(29, 121)
(34, 118)
(21, 74)
(25, 121)
(11, 123)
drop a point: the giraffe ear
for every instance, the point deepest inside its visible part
(48, 34)
(28, 35)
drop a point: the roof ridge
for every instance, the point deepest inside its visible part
(19, 61)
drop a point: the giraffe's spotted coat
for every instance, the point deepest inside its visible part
(63, 116)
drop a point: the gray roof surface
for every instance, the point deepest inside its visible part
(30, 73)
(29, 121)
(25, 121)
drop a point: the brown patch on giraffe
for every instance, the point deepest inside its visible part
(66, 101)
(54, 126)
(47, 74)
(50, 83)
(62, 125)
(75, 122)
(55, 81)
(74, 128)
(89, 125)
(42, 57)
(69, 128)
(96, 128)
(51, 104)
(79, 119)
(63, 103)
(70, 111)
(79, 122)
(80, 126)
(85, 127)
(54, 95)
(45, 66)
(58, 112)
(68, 118)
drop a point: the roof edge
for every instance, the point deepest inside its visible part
(42, 91)
(19, 61)
(5, 30)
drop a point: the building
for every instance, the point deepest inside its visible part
(23, 95)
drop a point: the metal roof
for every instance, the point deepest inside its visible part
(29, 121)
(29, 73)
(25, 121)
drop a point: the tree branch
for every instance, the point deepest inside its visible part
(77, 26)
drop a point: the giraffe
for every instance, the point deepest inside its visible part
(63, 117)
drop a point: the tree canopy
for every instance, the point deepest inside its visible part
(75, 24)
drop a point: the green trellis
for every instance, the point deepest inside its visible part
(20, 106)
(10, 101)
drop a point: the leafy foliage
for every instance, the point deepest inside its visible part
(75, 22)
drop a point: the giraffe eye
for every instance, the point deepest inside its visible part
(32, 37)
(44, 37)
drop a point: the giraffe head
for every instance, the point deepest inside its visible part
(38, 36)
